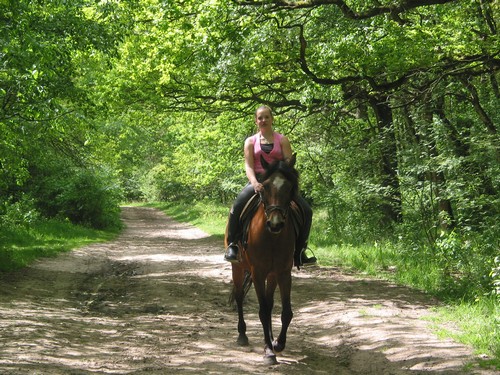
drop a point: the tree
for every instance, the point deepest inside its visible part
(44, 113)
(323, 59)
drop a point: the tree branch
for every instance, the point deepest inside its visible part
(395, 9)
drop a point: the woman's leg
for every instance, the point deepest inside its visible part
(233, 223)
(301, 243)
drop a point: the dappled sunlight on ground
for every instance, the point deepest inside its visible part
(155, 301)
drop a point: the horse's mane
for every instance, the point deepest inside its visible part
(290, 173)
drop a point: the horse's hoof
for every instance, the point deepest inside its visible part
(242, 340)
(269, 357)
(277, 347)
(270, 360)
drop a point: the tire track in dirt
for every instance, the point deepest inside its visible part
(155, 301)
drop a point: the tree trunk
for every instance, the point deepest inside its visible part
(388, 159)
(445, 216)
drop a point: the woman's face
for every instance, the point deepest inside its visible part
(264, 118)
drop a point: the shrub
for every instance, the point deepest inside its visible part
(21, 211)
(158, 185)
(83, 196)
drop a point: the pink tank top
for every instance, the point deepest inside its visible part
(275, 154)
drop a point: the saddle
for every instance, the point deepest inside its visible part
(296, 214)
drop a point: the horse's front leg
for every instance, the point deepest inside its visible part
(270, 289)
(239, 295)
(265, 307)
(285, 284)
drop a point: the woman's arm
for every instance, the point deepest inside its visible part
(249, 165)
(286, 148)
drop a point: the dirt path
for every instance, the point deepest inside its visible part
(155, 301)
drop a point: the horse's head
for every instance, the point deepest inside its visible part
(280, 186)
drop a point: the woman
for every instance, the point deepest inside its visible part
(272, 146)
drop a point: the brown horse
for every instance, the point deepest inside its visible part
(268, 254)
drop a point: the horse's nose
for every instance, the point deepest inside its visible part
(275, 226)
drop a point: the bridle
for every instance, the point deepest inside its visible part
(268, 210)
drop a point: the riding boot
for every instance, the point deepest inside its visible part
(234, 229)
(231, 254)
(300, 258)
(233, 224)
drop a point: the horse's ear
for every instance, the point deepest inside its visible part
(292, 160)
(264, 163)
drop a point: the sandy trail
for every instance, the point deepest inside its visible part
(155, 301)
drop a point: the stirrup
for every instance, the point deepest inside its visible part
(305, 260)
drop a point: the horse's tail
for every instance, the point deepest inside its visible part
(247, 283)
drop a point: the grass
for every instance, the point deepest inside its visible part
(206, 215)
(476, 324)
(20, 245)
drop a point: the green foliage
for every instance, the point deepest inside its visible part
(495, 277)
(391, 141)
(455, 266)
(86, 197)
(159, 184)
(462, 265)
(393, 116)
(22, 211)
(45, 117)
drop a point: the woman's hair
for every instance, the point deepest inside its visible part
(264, 107)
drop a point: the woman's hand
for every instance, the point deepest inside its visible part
(257, 187)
